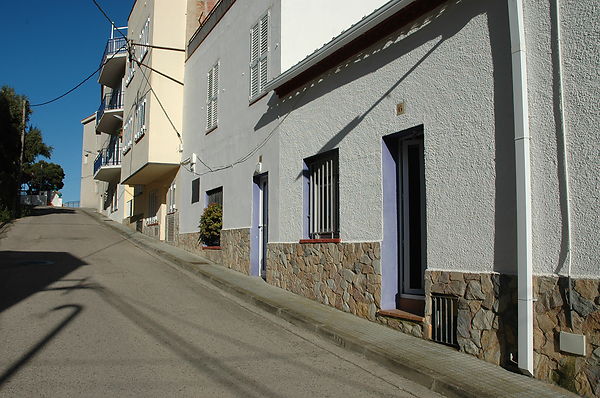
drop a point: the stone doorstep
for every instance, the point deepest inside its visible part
(400, 314)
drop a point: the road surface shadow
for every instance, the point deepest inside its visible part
(23, 274)
(32, 352)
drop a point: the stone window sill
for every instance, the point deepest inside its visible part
(336, 240)
(211, 247)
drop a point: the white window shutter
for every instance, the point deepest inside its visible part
(215, 81)
(264, 34)
(254, 44)
(263, 73)
(254, 82)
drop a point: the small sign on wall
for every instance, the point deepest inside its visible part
(400, 109)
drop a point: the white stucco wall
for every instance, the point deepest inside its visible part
(581, 62)
(242, 126)
(453, 72)
(308, 24)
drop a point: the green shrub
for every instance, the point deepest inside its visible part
(211, 223)
(5, 214)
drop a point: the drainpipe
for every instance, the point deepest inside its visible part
(564, 157)
(523, 187)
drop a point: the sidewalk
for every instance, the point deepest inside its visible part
(437, 367)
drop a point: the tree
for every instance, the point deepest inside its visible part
(43, 176)
(34, 146)
(38, 176)
(11, 124)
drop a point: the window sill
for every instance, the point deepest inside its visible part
(154, 224)
(211, 247)
(210, 130)
(335, 240)
(260, 96)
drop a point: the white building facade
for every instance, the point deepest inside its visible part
(433, 167)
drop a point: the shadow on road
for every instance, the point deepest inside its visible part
(23, 274)
(42, 343)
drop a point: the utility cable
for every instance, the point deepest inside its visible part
(80, 83)
(109, 20)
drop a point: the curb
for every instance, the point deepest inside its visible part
(428, 378)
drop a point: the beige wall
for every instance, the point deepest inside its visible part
(160, 144)
(88, 195)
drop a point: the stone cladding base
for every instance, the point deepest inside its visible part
(487, 323)
(346, 276)
(234, 252)
(552, 315)
(235, 245)
(152, 230)
(191, 243)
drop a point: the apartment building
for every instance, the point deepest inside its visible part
(152, 113)
(429, 168)
(101, 152)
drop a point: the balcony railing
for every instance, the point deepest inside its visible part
(113, 46)
(110, 156)
(109, 102)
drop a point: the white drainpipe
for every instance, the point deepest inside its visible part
(564, 154)
(523, 185)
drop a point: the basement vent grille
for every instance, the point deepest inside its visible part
(444, 313)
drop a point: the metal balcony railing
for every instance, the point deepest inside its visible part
(109, 156)
(110, 101)
(113, 46)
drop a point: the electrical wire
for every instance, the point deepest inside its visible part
(109, 20)
(210, 169)
(80, 83)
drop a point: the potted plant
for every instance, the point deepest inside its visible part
(211, 223)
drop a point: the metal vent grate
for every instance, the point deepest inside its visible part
(444, 313)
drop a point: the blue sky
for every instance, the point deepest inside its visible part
(48, 47)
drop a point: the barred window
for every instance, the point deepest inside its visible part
(215, 196)
(323, 203)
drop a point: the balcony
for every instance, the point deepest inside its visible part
(109, 117)
(107, 166)
(113, 62)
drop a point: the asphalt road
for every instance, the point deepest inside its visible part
(84, 312)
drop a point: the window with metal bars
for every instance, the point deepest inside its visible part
(212, 93)
(215, 196)
(259, 49)
(323, 191)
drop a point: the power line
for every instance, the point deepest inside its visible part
(80, 83)
(211, 170)
(159, 72)
(109, 20)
